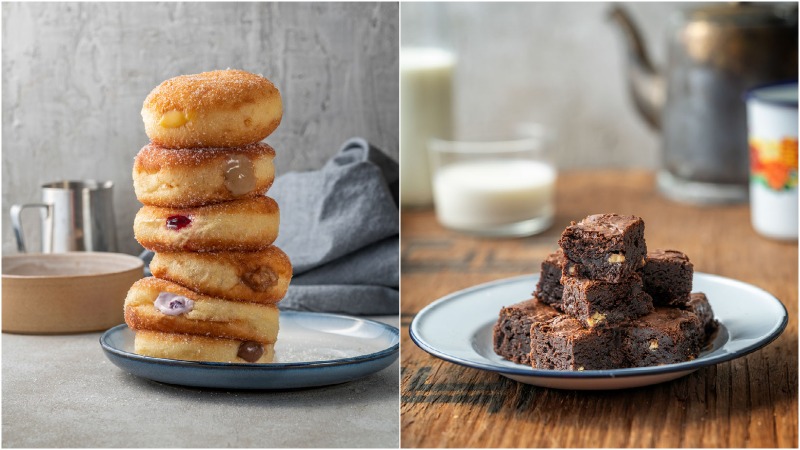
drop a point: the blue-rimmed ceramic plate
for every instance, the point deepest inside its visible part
(313, 349)
(458, 328)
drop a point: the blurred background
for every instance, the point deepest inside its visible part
(75, 76)
(561, 64)
(558, 64)
(651, 85)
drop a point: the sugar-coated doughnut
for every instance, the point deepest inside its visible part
(188, 347)
(261, 277)
(248, 224)
(223, 108)
(160, 305)
(182, 177)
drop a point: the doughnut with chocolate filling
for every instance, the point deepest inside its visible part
(183, 177)
(189, 347)
(249, 224)
(261, 277)
(160, 305)
(222, 108)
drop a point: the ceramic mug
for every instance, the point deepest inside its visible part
(76, 216)
(772, 135)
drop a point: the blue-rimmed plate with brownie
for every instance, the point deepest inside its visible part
(606, 313)
(460, 328)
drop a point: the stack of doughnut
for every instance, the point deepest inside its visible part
(202, 179)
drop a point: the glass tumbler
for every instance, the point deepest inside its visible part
(503, 188)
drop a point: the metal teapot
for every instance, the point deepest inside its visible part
(715, 54)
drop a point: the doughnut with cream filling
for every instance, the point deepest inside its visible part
(180, 178)
(261, 277)
(222, 108)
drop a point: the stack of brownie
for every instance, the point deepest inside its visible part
(604, 302)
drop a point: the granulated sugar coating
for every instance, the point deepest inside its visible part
(152, 157)
(218, 89)
(260, 277)
(250, 224)
(207, 316)
(223, 108)
(304, 347)
(203, 180)
(186, 177)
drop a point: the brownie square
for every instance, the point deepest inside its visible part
(666, 336)
(549, 288)
(606, 247)
(598, 303)
(698, 304)
(667, 277)
(561, 343)
(512, 331)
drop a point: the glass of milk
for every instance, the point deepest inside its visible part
(494, 188)
(426, 81)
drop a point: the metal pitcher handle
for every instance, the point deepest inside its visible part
(16, 222)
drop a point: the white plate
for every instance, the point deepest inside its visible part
(313, 349)
(458, 328)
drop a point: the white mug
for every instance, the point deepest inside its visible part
(772, 135)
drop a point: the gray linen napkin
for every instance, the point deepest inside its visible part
(340, 227)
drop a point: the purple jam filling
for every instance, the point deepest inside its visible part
(173, 305)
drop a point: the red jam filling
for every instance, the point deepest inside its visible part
(178, 222)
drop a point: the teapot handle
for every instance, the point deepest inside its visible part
(645, 83)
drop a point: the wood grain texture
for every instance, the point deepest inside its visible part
(75, 76)
(748, 402)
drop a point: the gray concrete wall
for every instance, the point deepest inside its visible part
(559, 64)
(75, 76)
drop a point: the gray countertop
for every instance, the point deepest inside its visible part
(61, 391)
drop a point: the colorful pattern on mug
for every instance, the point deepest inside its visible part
(773, 163)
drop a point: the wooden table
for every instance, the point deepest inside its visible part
(748, 402)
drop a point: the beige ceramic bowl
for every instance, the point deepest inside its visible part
(66, 292)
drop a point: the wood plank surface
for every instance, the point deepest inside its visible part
(748, 402)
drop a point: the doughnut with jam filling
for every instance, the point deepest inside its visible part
(249, 224)
(204, 315)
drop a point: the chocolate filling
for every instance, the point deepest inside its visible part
(250, 351)
(260, 279)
